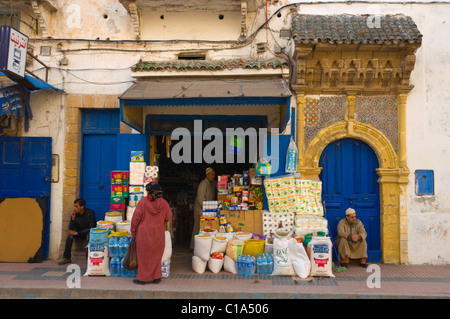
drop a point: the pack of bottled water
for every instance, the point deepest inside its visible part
(246, 265)
(264, 264)
(118, 247)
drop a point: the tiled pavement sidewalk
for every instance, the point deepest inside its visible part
(49, 280)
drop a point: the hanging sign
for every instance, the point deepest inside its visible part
(11, 100)
(13, 50)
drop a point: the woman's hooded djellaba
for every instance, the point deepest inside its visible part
(148, 227)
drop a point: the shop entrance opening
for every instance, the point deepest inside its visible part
(179, 181)
(350, 180)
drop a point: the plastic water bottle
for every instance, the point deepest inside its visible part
(242, 263)
(119, 267)
(122, 246)
(123, 270)
(114, 267)
(116, 246)
(264, 264)
(248, 266)
(259, 269)
(111, 245)
(239, 265)
(270, 264)
(126, 244)
(252, 265)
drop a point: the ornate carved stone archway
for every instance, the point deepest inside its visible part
(392, 180)
(337, 63)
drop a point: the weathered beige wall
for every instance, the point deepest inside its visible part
(101, 67)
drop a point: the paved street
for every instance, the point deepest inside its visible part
(49, 280)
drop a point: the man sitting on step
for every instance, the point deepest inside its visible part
(351, 239)
(81, 221)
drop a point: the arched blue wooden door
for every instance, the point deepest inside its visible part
(349, 179)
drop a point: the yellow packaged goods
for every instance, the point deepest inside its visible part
(229, 228)
(235, 247)
(223, 219)
(118, 234)
(254, 247)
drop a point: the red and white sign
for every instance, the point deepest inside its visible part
(13, 51)
(17, 56)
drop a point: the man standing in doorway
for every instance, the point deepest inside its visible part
(351, 239)
(207, 190)
(82, 219)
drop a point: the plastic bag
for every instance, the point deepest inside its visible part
(98, 236)
(130, 259)
(291, 157)
(300, 260)
(282, 263)
(254, 247)
(235, 247)
(168, 247)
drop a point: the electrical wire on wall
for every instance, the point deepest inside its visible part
(228, 45)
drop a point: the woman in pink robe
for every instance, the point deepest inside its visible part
(148, 227)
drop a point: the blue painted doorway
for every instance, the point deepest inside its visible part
(25, 172)
(104, 150)
(349, 179)
(99, 159)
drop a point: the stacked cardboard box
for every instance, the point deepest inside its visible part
(119, 190)
(249, 221)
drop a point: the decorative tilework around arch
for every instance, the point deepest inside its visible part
(322, 112)
(382, 113)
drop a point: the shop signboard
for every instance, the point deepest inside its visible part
(13, 51)
(11, 100)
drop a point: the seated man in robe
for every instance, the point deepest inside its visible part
(351, 239)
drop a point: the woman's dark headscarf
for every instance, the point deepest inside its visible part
(153, 190)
